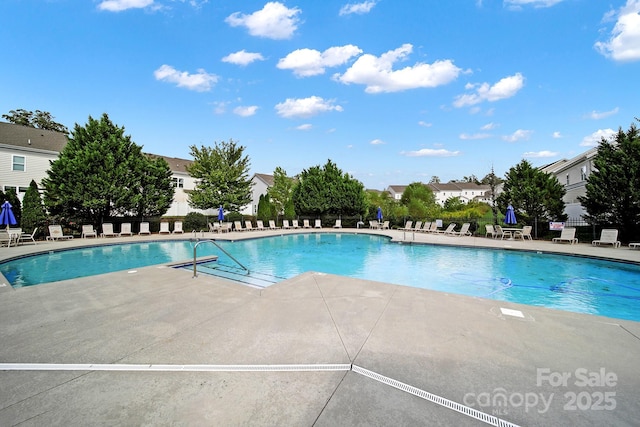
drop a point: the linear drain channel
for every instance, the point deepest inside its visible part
(450, 404)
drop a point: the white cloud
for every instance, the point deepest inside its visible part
(430, 152)
(305, 107)
(467, 136)
(556, 135)
(242, 57)
(378, 75)
(489, 126)
(273, 21)
(200, 81)
(245, 111)
(120, 5)
(539, 154)
(311, 62)
(624, 42)
(505, 88)
(425, 124)
(517, 4)
(377, 142)
(359, 8)
(518, 135)
(597, 115)
(306, 126)
(220, 107)
(594, 139)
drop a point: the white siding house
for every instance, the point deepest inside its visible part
(260, 183)
(464, 191)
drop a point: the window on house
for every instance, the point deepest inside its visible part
(178, 182)
(583, 173)
(567, 179)
(18, 163)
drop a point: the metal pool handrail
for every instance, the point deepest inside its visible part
(195, 248)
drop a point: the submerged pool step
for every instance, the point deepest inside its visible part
(252, 278)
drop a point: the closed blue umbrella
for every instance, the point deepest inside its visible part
(6, 216)
(379, 214)
(220, 214)
(510, 216)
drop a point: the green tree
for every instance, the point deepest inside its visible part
(155, 189)
(533, 194)
(266, 210)
(40, 120)
(453, 204)
(100, 173)
(419, 200)
(327, 190)
(613, 188)
(33, 212)
(223, 179)
(281, 191)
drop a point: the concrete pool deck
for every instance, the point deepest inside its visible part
(161, 344)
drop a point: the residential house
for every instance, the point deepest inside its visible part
(260, 183)
(464, 191)
(573, 174)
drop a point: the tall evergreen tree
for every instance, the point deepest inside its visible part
(33, 212)
(613, 188)
(281, 191)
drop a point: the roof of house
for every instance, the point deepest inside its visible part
(29, 138)
(564, 164)
(267, 179)
(175, 164)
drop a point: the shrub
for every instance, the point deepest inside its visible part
(194, 221)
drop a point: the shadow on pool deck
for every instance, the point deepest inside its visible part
(461, 348)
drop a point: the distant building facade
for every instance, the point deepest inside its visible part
(463, 191)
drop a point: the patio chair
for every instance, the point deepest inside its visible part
(634, 245)
(164, 228)
(225, 227)
(525, 233)
(374, 224)
(88, 231)
(425, 227)
(285, 224)
(305, 223)
(294, 224)
(385, 225)
(608, 237)
(338, 223)
(55, 233)
(237, 226)
(259, 225)
(107, 230)
(568, 234)
(272, 225)
(215, 227)
(26, 237)
(144, 229)
(177, 227)
(500, 232)
(490, 231)
(433, 228)
(248, 225)
(125, 229)
(417, 226)
(5, 238)
(447, 230)
(318, 224)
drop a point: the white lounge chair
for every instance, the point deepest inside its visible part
(305, 223)
(259, 225)
(318, 224)
(608, 237)
(338, 223)
(177, 227)
(294, 224)
(433, 228)
(55, 233)
(525, 233)
(272, 225)
(634, 245)
(28, 238)
(408, 226)
(248, 225)
(164, 228)
(447, 230)
(417, 226)
(88, 231)
(107, 230)
(425, 227)
(125, 229)
(237, 226)
(568, 235)
(285, 224)
(144, 229)
(464, 230)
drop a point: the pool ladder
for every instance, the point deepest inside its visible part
(195, 250)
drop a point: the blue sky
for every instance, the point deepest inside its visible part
(392, 91)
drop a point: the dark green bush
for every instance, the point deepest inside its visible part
(194, 221)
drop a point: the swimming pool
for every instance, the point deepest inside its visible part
(556, 281)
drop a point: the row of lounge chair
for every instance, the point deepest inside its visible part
(248, 225)
(432, 227)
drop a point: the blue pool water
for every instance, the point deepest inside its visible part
(563, 282)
